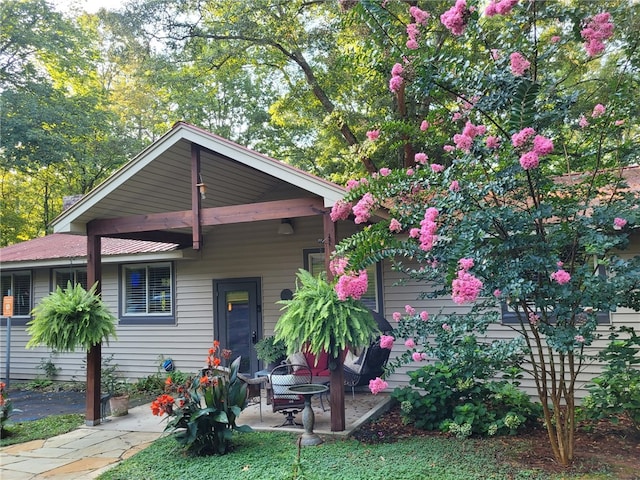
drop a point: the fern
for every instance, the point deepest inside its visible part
(316, 319)
(71, 318)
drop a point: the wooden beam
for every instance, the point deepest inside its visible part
(196, 229)
(94, 354)
(298, 207)
(181, 239)
(336, 377)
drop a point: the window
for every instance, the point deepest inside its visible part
(314, 263)
(147, 290)
(74, 275)
(18, 285)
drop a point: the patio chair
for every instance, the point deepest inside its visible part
(254, 388)
(369, 366)
(280, 379)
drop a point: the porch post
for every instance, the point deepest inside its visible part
(196, 200)
(94, 354)
(337, 373)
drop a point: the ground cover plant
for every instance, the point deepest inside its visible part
(43, 428)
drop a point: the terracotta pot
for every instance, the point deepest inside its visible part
(119, 405)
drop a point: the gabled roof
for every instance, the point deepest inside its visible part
(60, 249)
(159, 180)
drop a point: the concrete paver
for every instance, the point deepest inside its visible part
(87, 452)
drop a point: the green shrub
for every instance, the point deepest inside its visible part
(617, 391)
(442, 397)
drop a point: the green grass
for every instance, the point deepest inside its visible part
(266, 456)
(39, 429)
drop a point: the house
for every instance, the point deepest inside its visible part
(195, 239)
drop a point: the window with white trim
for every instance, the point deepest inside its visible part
(147, 290)
(314, 263)
(18, 285)
(61, 277)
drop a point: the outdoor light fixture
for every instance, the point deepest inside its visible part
(202, 188)
(285, 228)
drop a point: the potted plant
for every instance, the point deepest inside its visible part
(116, 388)
(69, 319)
(317, 320)
(271, 351)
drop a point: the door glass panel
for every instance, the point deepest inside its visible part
(239, 327)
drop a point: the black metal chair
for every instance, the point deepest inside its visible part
(280, 379)
(371, 365)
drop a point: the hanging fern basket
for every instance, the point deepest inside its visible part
(71, 318)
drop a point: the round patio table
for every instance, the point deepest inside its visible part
(308, 390)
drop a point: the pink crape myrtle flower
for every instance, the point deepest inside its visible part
(424, 125)
(519, 64)
(465, 263)
(454, 19)
(413, 33)
(529, 160)
(561, 276)
(542, 145)
(395, 83)
(597, 30)
(448, 148)
(463, 142)
(497, 293)
(522, 137)
(436, 167)
(410, 171)
(409, 343)
(414, 232)
(456, 116)
(377, 385)
(533, 318)
(619, 223)
(340, 211)
(618, 123)
(465, 288)
(420, 16)
(583, 122)
(351, 184)
(598, 110)
(386, 341)
(395, 226)
(446, 327)
(373, 135)
(353, 286)
(397, 316)
(492, 142)
(385, 172)
(397, 70)
(424, 316)
(418, 357)
(455, 186)
(421, 158)
(362, 209)
(409, 309)
(579, 338)
(555, 39)
(338, 265)
(502, 7)
(428, 229)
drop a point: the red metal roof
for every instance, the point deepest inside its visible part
(61, 245)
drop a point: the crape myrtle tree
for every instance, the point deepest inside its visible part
(525, 205)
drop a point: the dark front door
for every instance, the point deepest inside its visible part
(238, 319)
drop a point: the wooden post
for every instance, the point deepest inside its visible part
(196, 200)
(337, 374)
(94, 354)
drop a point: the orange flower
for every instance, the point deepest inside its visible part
(216, 344)
(216, 362)
(204, 380)
(168, 381)
(212, 351)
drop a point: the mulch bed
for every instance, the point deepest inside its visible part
(614, 448)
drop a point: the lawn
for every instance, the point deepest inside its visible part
(264, 456)
(39, 429)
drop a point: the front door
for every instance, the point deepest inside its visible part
(238, 319)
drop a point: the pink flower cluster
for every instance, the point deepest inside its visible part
(409, 343)
(386, 341)
(396, 78)
(598, 110)
(492, 142)
(519, 64)
(351, 184)
(597, 30)
(340, 210)
(436, 167)
(561, 276)
(579, 338)
(338, 265)
(466, 287)
(420, 16)
(395, 226)
(502, 7)
(413, 29)
(619, 223)
(455, 19)
(373, 135)
(427, 231)
(377, 385)
(362, 209)
(418, 357)
(385, 172)
(353, 286)
(424, 125)
(534, 149)
(421, 158)
(464, 140)
(424, 316)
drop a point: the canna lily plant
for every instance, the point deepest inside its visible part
(204, 412)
